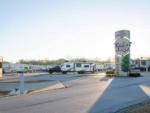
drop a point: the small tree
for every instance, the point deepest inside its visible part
(125, 63)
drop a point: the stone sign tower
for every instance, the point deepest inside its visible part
(122, 52)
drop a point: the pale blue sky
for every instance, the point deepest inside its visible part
(39, 29)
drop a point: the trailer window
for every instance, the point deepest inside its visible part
(67, 65)
(78, 65)
(86, 66)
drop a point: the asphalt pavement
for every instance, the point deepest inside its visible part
(90, 94)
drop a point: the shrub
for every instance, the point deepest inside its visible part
(110, 73)
(135, 74)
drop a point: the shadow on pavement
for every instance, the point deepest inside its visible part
(120, 93)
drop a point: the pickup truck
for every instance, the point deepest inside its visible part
(54, 69)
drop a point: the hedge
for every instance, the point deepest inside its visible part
(135, 74)
(110, 73)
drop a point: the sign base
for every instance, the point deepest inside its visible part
(124, 74)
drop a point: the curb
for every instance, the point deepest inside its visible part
(52, 87)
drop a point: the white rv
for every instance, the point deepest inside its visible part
(80, 67)
(13, 68)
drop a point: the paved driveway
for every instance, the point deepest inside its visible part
(83, 95)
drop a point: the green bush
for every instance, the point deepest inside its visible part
(135, 74)
(110, 73)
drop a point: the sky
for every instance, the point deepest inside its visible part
(52, 29)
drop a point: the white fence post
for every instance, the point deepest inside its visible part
(22, 86)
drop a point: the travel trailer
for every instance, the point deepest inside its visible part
(13, 68)
(10, 67)
(100, 67)
(142, 64)
(80, 67)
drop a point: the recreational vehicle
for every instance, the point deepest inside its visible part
(80, 67)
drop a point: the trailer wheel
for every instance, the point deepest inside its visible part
(81, 72)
